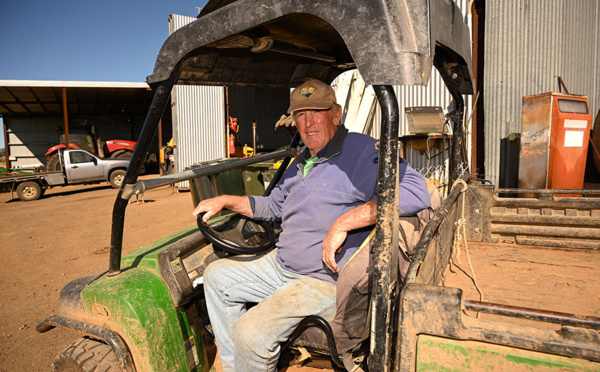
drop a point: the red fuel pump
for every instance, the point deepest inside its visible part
(555, 132)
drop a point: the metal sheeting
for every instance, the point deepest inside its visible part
(198, 118)
(434, 94)
(265, 105)
(29, 139)
(198, 124)
(177, 21)
(528, 44)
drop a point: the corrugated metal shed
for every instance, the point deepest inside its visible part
(32, 111)
(433, 162)
(265, 105)
(528, 44)
(198, 118)
(434, 94)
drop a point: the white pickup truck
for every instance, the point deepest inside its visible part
(77, 167)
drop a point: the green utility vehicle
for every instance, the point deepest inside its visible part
(147, 312)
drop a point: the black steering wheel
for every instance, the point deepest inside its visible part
(237, 234)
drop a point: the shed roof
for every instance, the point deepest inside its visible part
(22, 98)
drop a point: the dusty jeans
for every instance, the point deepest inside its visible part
(250, 340)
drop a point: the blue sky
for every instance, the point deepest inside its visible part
(84, 40)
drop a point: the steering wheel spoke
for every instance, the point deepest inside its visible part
(237, 234)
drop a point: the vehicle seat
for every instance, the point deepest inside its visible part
(346, 334)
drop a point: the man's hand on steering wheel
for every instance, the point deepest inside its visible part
(237, 233)
(209, 207)
(238, 204)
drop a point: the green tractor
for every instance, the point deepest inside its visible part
(147, 312)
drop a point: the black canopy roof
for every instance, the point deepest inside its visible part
(283, 42)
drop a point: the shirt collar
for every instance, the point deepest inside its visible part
(333, 147)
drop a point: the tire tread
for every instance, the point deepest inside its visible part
(86, 355)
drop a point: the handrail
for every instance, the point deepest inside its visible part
(142, 185)
(159, 103)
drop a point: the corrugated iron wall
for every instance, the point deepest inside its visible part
(434, 161)
(198, 118)
(265, 105)
(434, 94)
(528, 44)
(28, 140)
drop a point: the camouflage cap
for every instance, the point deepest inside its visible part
(313, 94)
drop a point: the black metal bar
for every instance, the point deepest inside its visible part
(283, 166)
(323, 325)
(111, 338)
(445, 64)
(457, 134)
(159, 102)
(549, 191)
(533, 314)
(141, 186)
(386, 233)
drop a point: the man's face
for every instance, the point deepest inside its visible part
(316, 127)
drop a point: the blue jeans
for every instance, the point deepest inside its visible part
(249, 340)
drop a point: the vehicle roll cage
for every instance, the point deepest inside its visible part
(248, 42)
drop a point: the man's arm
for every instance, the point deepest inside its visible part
(238, 204)
(359, 217)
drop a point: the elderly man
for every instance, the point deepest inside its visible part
(325, 201)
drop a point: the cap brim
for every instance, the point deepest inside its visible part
(314, 105)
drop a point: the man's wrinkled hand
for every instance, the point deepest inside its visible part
(332, 244)
(210, 207)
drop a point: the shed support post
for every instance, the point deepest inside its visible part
(6, 146)
(65, 116)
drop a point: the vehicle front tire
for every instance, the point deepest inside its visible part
(116, 178)
(29, 190)
(86, 355)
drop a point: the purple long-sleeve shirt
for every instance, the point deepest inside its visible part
(344, 177)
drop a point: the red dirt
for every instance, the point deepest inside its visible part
(66, 235)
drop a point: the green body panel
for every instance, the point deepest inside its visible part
(147, 256)
(138, 306)
(442, 354)
(252, 183)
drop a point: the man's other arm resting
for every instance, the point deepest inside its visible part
(359, 217)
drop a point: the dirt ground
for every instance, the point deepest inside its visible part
(558, 280)
(66, 235)
(63, 236)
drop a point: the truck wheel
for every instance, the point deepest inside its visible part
(116, 178)
(122, 155)
(53, 163)
(86, 355)
(29, 191)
